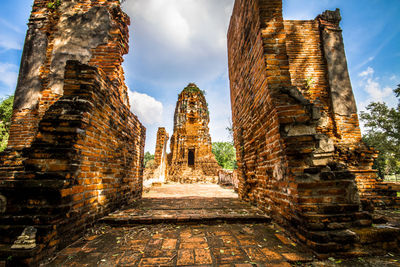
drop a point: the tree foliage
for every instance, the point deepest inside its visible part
(225, 154)
(6, 106)
(383, 133)
(148, 159)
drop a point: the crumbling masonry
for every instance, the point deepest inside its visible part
(75, 150)
(296, 130)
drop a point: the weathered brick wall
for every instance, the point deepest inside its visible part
(85, 161)
(248, 87)
(308, 67)
(289, 154)
(75, 150)
(310, 74)
(93, 32)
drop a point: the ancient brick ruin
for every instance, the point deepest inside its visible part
(158, 172)
(75, 150)
(191, 159)
(296, 130)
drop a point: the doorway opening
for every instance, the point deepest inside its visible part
(191, 157)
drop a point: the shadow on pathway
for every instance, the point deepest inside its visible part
(193, 225)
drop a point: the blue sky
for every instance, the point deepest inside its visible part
(175, 42)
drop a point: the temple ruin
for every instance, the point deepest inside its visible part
(76, 151)
(191, 159)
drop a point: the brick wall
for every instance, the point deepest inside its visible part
(75, 151)
(158, 172)
(310, 74)
(85, 161)
(52, 39)
(292, 161)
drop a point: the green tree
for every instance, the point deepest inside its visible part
(225, 154)
(148, 159)
(6, 106)
(383, 133)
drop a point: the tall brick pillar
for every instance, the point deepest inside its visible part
(359, 157)
(292, 161)
(161, 146)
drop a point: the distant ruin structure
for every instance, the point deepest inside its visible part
(191, 158)
(159, 171)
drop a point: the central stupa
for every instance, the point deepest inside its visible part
(191, 159)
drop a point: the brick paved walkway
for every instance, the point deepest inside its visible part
(174, 190)
(192, 209)
(199, 229)
(183, 245)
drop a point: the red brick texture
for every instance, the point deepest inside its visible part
(107, 56)
(162, 139)
(293, 151)
(85, 161)
(77, 153)
(159, 170)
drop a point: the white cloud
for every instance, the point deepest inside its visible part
(368, 72)
(164, 18)
(147, 108)
(7, 42)
(175, 41)
(11, 36)
(376, 92)
(8, 74)
(11, 26)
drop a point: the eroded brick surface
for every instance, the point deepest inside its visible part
(75, 151)
(182, 245)
(296, 130)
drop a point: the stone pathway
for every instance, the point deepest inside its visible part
(194, 230)
(185, 245)
(184, 210)
(174, 190)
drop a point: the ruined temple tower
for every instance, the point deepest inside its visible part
(191, 159)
